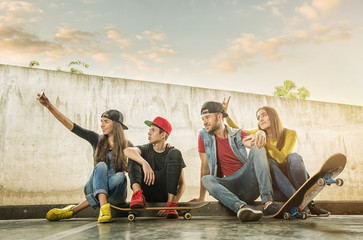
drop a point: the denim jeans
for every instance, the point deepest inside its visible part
(287, 181)
(104, 181)
(245, 185)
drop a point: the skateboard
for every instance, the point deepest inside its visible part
(184, 209)
(331, 168)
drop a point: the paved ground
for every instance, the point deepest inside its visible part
(199, 227)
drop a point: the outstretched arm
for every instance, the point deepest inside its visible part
(56, 113)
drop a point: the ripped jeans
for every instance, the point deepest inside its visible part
(111, 184)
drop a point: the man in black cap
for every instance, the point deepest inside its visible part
(227, 172)
(156, 170)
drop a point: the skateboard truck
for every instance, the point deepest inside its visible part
(295, 213)
(328, 180)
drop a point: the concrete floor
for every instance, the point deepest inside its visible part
(199, 227)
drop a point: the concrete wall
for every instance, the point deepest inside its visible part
(43, 163)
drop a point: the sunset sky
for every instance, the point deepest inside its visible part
(246, 45)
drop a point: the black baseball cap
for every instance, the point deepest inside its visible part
(115, 116)
(212, 107)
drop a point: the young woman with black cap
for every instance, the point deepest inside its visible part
(107, 183)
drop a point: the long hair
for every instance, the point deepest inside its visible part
(278, 132)
(120, 143)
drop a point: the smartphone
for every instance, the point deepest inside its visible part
(42, 92)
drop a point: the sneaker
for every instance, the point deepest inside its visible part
(138, 200)
(105, 214)
(271, 210)
(316, 210)
(172, 213)
(248, 214)
(57, 214)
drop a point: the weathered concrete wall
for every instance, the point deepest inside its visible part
(43, 163)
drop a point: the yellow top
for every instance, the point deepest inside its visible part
(274, 153)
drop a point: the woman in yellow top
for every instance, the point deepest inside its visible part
(288, 171)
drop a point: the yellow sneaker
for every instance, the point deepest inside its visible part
(105, 214)
(57, 214)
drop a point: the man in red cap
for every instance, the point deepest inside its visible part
(156, 170)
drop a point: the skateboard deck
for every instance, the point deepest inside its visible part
(331, 168)
(184, 209)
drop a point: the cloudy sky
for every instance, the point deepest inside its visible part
(242, 45)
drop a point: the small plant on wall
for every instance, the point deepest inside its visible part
(74, 69)
(33, 63)
(288, 90)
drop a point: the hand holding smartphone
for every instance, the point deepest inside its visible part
(41, 92)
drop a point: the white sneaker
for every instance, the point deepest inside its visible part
(248, 214)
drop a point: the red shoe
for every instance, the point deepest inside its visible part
(138, 200)
(172, 213)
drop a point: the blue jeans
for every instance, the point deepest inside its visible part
(287, 181)
(111, 184)
(245, 185)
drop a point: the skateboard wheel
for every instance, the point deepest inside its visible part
(304, 215)
(187, 216)
(131, 217)
(340, 182)
(321, 182)
(287, 215)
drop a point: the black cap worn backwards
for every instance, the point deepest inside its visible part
(115, 116)
(212, 107)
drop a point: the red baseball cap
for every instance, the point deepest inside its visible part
(161, 123)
